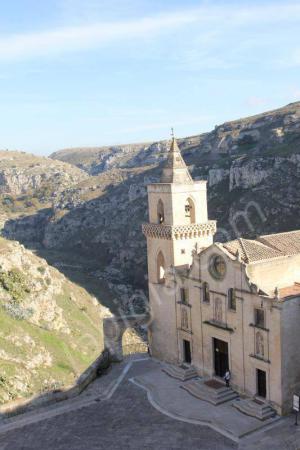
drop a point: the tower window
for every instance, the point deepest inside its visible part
(160, 212)
(231, 299)
(259, 316)
(184, 295)
(189, 209)
(205, 292)
(160, 268)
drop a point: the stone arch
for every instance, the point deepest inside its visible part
(161, 267)
(160, 211)
(116, 332)
(259, 344)
(189, 208)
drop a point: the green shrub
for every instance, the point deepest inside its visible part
(15, 283)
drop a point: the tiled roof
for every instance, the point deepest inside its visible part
(288, 243)
(265, 247)
(290, 291)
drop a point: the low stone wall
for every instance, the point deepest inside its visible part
(20, 406)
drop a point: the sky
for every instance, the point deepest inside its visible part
(102, 72)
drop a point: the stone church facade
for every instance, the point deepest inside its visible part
(220, 306)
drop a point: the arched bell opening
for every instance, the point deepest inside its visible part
(160, 212)
(161, 268)
(189, 209)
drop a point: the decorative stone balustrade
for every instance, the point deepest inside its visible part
(190, 231)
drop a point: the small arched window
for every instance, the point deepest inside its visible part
(160, 268)
(232, 299)
(189, 209)
(205, 292)
(160, 212)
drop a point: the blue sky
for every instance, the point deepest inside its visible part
(98, 72)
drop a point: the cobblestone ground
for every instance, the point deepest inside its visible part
(126, 421)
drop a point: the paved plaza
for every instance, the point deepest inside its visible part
(117, 412)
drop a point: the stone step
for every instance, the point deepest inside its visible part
(215, 396)
(250, 407)
(182, 373)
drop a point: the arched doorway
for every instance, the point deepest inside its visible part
(189, 209)
(161, 268)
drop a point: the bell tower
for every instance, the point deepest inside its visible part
(178, 224)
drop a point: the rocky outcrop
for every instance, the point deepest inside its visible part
(245, 173)
(21, 173)
(50, 328)
(98, 160)
(216, 176)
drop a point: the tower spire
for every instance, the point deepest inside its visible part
(175, 169)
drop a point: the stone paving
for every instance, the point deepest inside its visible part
(124, 421)
(114, 413)
(166, 393)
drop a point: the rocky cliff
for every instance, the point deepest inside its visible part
(253, 169)
(21, 173)
(50, 328)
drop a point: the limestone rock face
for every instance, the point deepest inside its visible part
(50, 329)
(215, 176)
(255, 159)
(249, 174)
(21, 172)
(101, 159)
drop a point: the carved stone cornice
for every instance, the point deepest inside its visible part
(190, 231)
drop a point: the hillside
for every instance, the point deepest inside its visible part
(253, 171)
(273, 133)
(95, 160)
(29, 183)
(50, 329)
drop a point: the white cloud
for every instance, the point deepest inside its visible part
(66, 39)
(212, 21)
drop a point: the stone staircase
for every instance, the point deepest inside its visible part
(255, 408)
(216, 393)
(182, 373)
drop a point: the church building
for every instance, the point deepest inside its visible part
(221, 306)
